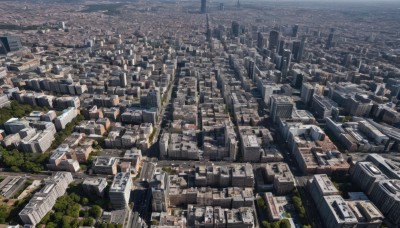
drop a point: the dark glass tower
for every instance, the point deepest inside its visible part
(273, 40)
(9, 44)
(203, 6)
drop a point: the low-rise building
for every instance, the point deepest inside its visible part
(95, 185)
(105, 165)
(280, 175)
(11, 185)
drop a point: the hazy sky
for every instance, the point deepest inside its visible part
(327, 1)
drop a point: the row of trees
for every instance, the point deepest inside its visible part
(4, 212)
(17, 110)
(284, 223)
(18, 27)
(153, 133)
(298, 205)
(16, 161)
(62, 135)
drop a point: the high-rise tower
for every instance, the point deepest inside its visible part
(235, 29)
(295, 30)
(273, 40)
(203, 6)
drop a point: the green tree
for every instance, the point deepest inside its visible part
(261, 203)
(88, 221)
(102, 225)
(15, 169)
(3, 213)
(51, 225)
(46, 218)
(58, 216)
(266, 224)
(67, 222)
(75, 197)
(285, 223)
(85, 201)
(95, 211)
(73, 210)
(276, 224)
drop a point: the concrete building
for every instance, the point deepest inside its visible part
(336, 213)
(280, 175)
(59, 161)
(159, 191)
(163, 143)
(324, 107)
(365, 174)
(359, 135)
(238, 175)
(95, 185)
(14, 125)
(386, 195)
(66, 117)
(4, 101)
(321, 186)
(151, 98)
(105, 165)
(312, 148)
(43, 201)
(120, 190)
(307, 92)
(11, 185)
(39, 143)
(389, 168)
(367, 214)
(251, 148)
(281, 107)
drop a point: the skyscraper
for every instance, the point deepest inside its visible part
(221, 6)
(295, 29)
(296, 49)
(123, 80)
(286, 59)
(273, 40)
(301, 50)
(281, 46)
(331, 36)
(251, 69)
(260, 40)
(9, 44)
(203, 6)
(235, 28)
